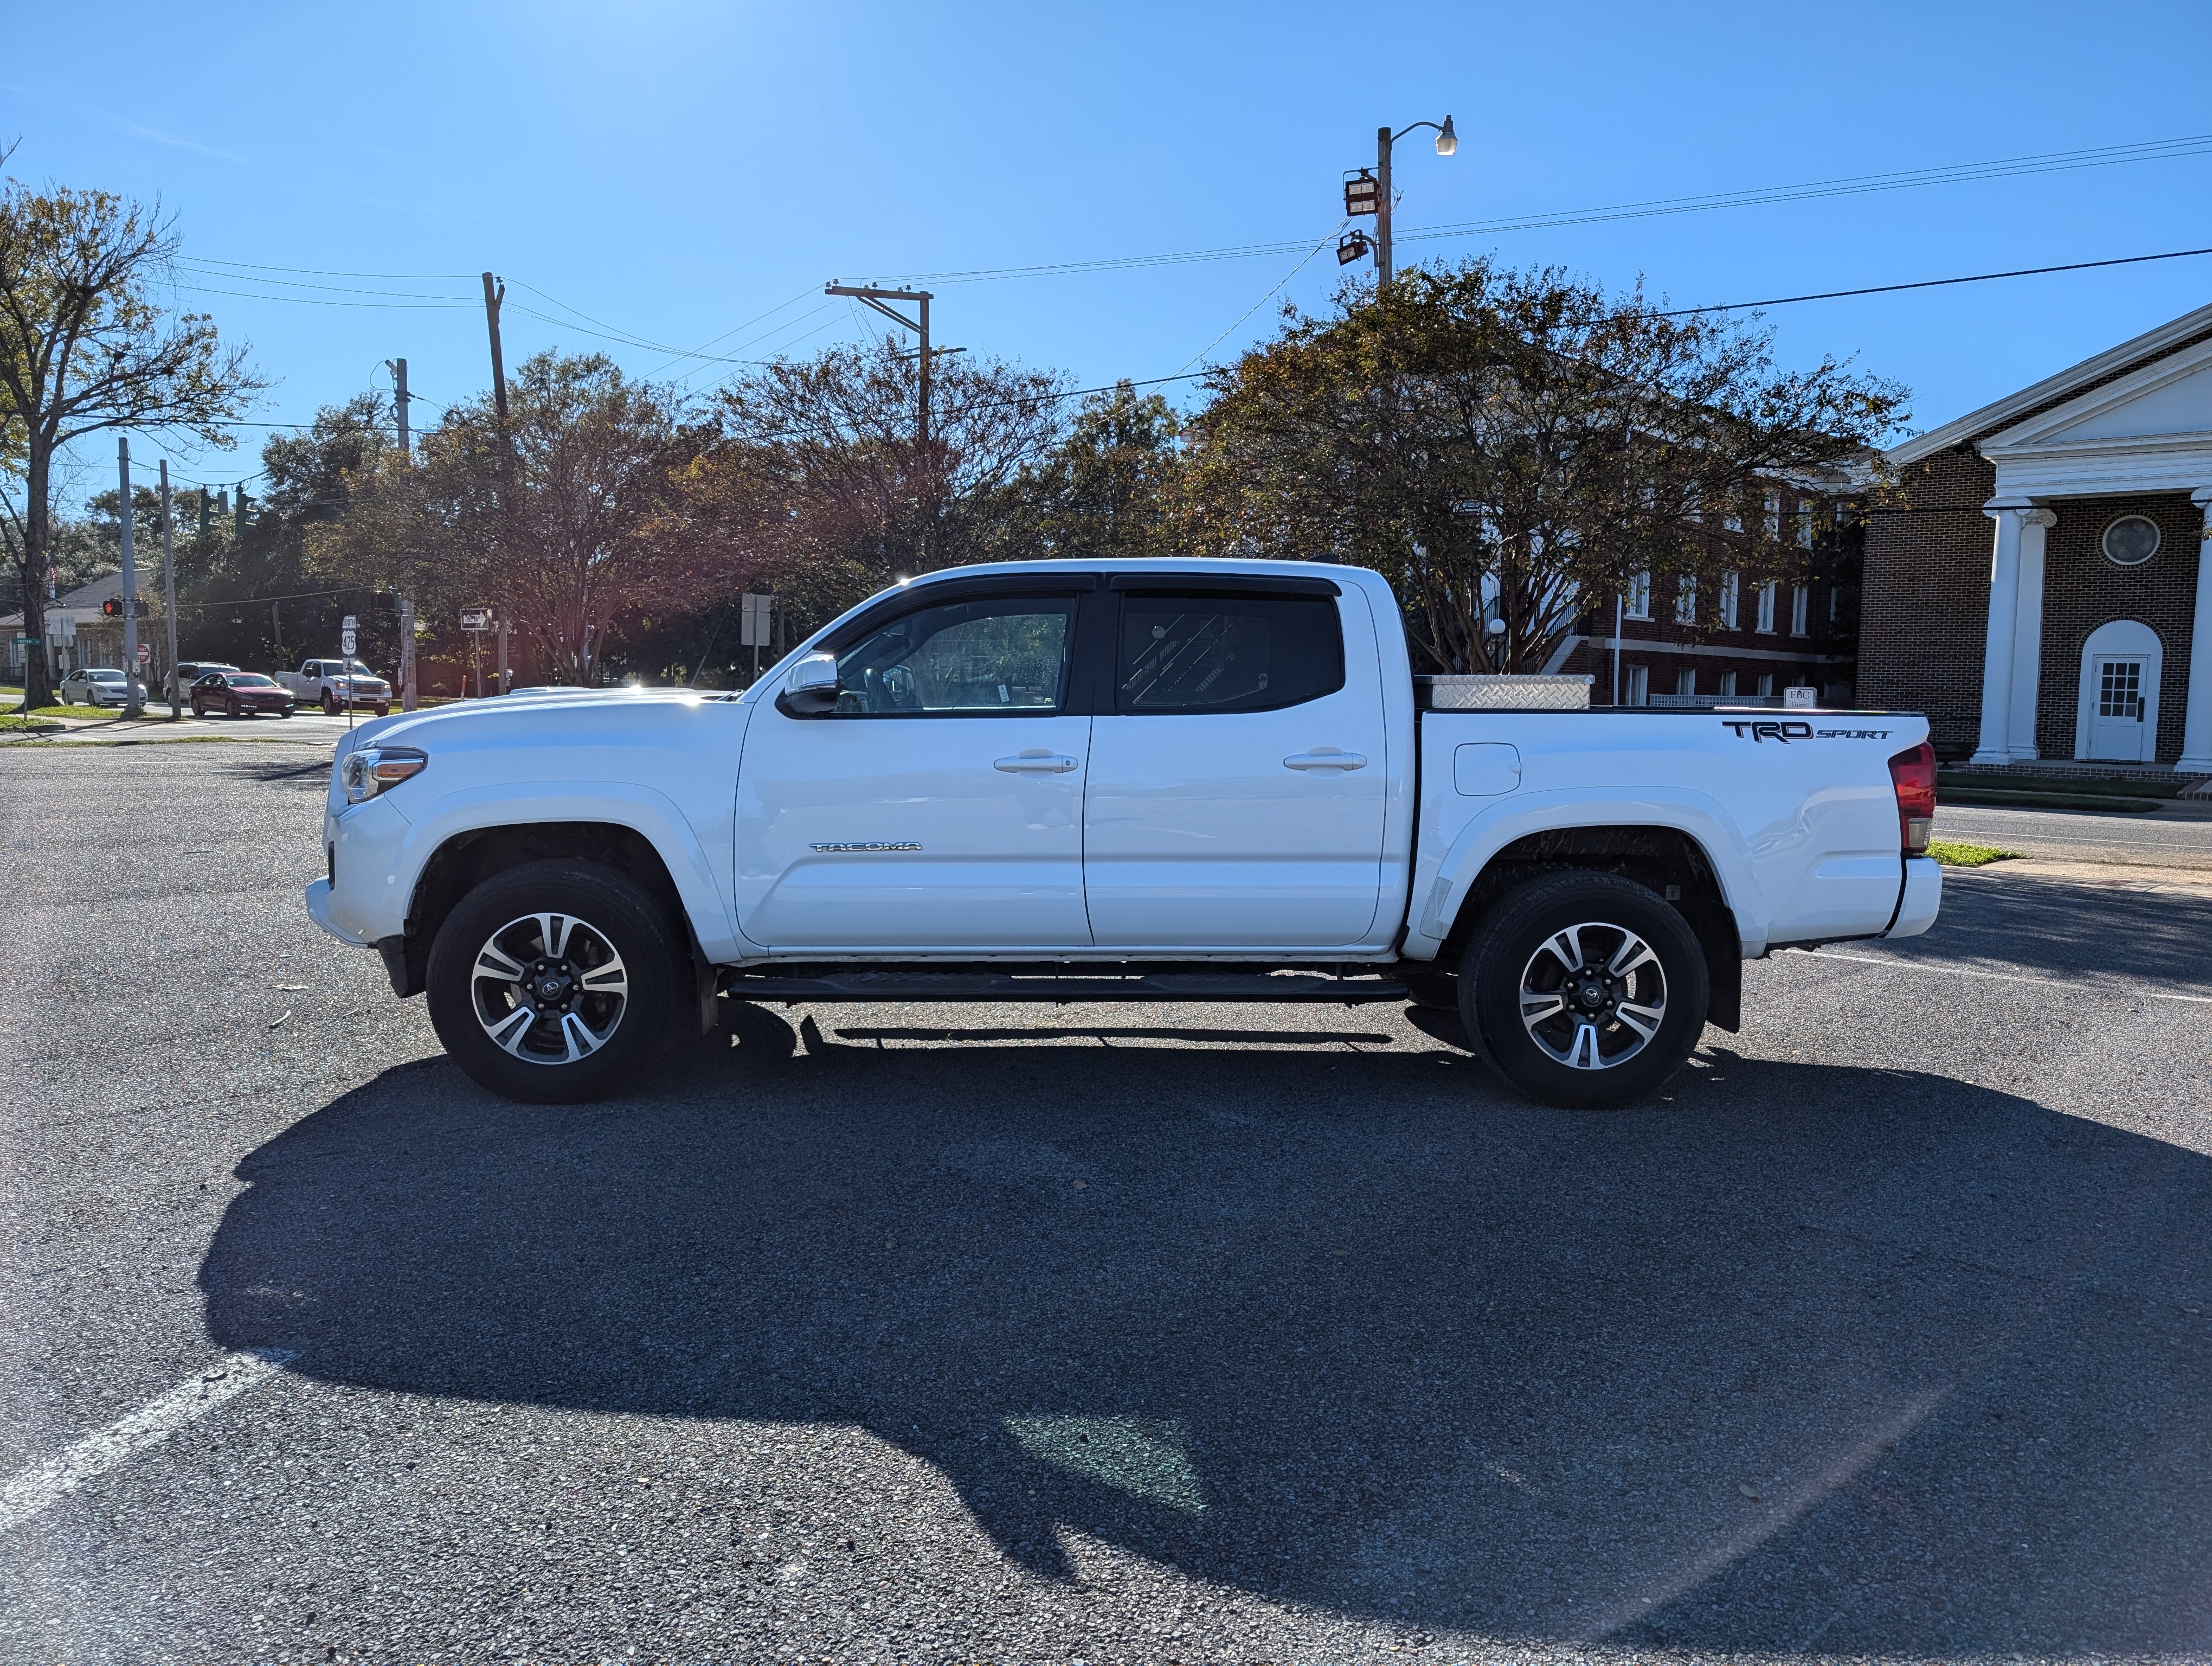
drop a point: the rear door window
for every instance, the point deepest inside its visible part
(1183, 652)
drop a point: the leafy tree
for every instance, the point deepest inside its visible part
(84, 348)
(1516, 447)
(1105, 489)
(562, 519)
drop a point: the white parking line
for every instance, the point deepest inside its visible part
(2005, 977)
(39, 1489)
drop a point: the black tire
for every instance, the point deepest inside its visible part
(1588, 1053)
(384, 711)
(540, 1063)
(232, 710)
(284, 710)
(330, 705)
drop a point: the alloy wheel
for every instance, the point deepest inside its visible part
(1593, 995)
(549, 989)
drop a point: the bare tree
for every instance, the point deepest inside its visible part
(1513, 449)
(84, 347)
(817, 477)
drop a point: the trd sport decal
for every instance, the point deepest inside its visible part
(1774, 729)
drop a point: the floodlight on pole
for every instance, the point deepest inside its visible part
(1447, 141)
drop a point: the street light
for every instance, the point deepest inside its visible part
(1447, 144)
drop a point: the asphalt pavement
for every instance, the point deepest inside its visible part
(2177, 836)
(1151, 1334)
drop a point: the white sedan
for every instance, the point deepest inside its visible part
(95, 687)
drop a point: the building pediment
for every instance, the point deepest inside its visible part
(2149, 430)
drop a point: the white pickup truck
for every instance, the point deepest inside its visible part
(1165, 780)
(336, 682)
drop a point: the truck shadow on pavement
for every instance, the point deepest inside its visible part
(1796, 1358)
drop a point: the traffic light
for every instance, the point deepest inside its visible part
(113, 607)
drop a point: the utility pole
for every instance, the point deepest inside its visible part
(134, 697)
(502, 651)
(407, 700)
(495, 293)
(919, 325)
(1447, 142)
(398, 370)
(1383, 207)
(169, 590)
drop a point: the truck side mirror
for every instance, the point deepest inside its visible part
(812, 684)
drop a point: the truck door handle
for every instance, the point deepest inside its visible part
(1326, 758)
(1036, 761)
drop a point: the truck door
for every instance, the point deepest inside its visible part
(1239, 767)
(940, 805)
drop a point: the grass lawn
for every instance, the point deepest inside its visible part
(1952, 853)
(11, 724)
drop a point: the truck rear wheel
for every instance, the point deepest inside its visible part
(553, 983)
(1584, 989)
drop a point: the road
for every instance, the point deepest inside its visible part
(897, 1334)
(2179, 835)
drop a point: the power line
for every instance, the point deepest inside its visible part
(1955, 173)
(317, 272)
(1933, 282)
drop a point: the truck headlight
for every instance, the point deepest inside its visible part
(371, 770)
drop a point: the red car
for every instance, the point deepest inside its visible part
(240, 694)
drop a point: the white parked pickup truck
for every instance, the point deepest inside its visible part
(1164, 781)
(337, 682)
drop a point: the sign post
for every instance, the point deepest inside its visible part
(756, 626)
(476, 621)
(347, 639)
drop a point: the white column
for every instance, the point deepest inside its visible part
(2197, 727)
(1995, 745)
(2027, 635)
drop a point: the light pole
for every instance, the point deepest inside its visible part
(1447, 142)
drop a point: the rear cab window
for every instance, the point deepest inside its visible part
(1185, 651)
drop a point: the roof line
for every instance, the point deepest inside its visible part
(2000, 413)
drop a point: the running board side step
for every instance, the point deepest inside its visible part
(918, 985)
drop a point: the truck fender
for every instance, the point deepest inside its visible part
(1440, 888)
(644, 811)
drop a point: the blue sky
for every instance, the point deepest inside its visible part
(673, 170)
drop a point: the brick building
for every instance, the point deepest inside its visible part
(2041, 581)
(1739, 641)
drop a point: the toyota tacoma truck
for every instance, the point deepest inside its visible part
(1164, 781)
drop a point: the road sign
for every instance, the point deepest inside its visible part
(476, 619)
(346, 641)
(24, 641)
(349, 622)
(755, 621)
(145, 651)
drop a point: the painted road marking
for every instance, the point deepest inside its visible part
(38, 1489)
(2109, 992)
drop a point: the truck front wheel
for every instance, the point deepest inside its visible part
(1584, 989)
(553, 981)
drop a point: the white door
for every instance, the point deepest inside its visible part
(939, 806)
(2121, 730)
(1238, 770)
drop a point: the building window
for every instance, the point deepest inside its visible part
(1636, 689)
(1727, 685)
(1686, 682)
(1804, 523)
(1766, 686)
(1765, 625)
(1729, 586)
(1801, 605)
(1835, 602)
(1637, 600)
(1685, 601)
(1774, 516)
(2131, 541)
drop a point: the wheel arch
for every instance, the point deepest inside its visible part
(1667, 860)
(466, 859)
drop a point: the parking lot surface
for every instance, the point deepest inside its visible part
(1110, 1333)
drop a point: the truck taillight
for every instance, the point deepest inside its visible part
(1913, 775)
